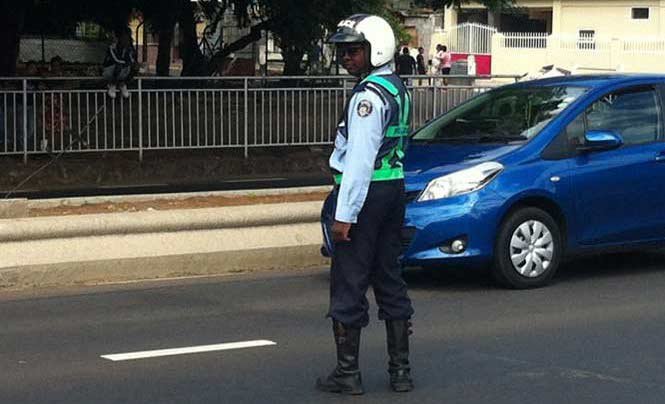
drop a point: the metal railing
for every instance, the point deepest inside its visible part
(77, 115)
(471, 38)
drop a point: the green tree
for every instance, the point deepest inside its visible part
(53, 17)
(12, 19)
(298, 27)
(161, 18)
(493, 5)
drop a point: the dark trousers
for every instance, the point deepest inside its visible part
(371, 258)
(117, 73)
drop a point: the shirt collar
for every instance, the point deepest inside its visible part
(383, 70)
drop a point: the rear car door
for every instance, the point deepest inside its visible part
(619, 193)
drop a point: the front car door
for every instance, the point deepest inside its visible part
(619, 193)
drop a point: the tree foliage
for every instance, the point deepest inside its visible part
(297, 26)
(493, 5)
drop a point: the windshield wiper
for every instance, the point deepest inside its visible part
(502, 138)
(473, 139)
(442, 139)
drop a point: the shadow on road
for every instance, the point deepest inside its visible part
(612, 265)
(576, 270)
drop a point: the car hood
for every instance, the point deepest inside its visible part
(426, 162)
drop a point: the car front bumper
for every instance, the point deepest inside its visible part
(430, 227)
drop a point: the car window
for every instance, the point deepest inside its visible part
(510, 114)
(575, 132)
(634, 115)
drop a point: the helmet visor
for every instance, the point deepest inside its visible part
(346, 35)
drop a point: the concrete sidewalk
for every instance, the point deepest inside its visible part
(111, 247)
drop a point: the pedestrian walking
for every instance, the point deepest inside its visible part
(446, 60)
(420, 61)
(420, 64)
(368, 205)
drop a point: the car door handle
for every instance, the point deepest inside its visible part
(660, 157)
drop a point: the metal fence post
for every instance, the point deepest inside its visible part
(344, 90)
(434, 97)
(140, 96)
(246, 118)
(25, 121)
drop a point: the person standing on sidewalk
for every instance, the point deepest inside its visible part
(368, 205)
(446, 63)
(420, 61)
(406, 64)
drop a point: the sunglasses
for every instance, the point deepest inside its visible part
(349, 50)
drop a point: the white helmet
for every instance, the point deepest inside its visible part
(371, 29)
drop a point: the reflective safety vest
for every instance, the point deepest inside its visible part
(391, 89)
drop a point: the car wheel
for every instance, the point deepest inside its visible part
(528, 249)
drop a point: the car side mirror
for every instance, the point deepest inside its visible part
(599, 140)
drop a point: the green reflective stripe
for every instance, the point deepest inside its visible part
(397, 131)
(382, 174)
(404, 119)
(387, 171)
(385, 83)
(396, 173)
(404, 107)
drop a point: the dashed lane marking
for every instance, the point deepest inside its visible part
(186, 350)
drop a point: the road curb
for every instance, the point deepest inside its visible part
(91, 200)
(65, 250)
(170, 266)
(10, 208)
(53, 227)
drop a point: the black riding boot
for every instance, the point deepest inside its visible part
(345, 378)
(397, 332)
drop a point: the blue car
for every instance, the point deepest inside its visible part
(522, 176)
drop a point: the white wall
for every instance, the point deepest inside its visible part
(637, 55)
(610, 18)
(606, 17)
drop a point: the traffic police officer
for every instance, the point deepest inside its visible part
(369, 199)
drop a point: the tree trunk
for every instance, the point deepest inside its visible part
(164, 52)
(193, 62)
(293, 61)
(11, 25)
(217, 61)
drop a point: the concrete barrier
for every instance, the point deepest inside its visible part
(46, 251)
(10, 208)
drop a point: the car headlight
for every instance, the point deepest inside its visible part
(461, 182)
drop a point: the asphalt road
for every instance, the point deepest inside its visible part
(595, 336)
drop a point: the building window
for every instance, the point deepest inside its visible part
(640, 13)
(586, 39)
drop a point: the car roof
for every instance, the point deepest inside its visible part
(597, 81)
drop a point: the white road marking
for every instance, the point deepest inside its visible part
(186, 350)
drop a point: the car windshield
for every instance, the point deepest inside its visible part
(503, 115)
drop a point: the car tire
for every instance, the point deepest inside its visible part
(528, 249)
